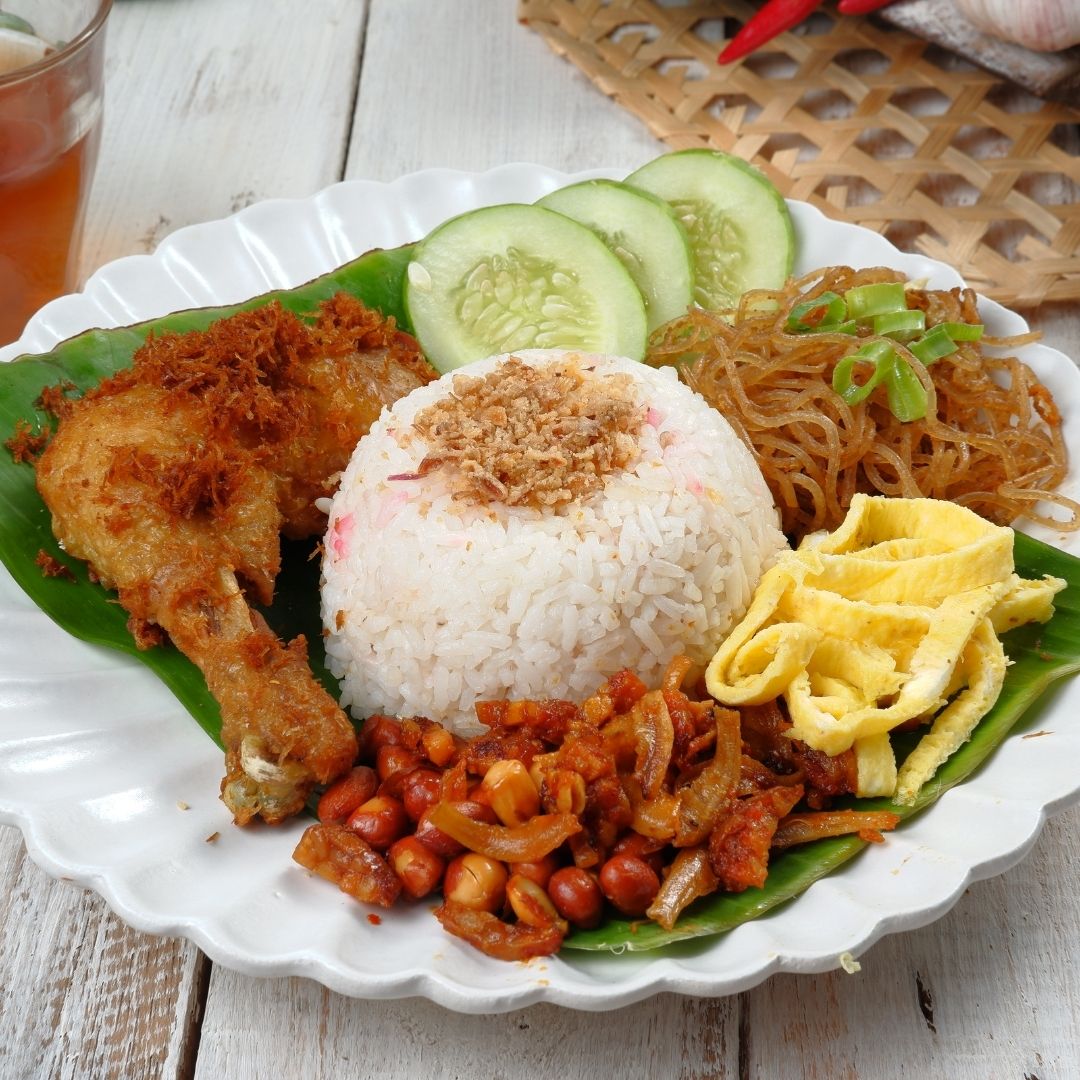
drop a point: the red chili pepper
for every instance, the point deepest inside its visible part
(774, 18)
(861, 7)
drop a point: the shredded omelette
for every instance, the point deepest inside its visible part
(889, 621)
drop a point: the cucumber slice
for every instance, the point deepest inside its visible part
(739, 226)
(520, 277)
(644, 233)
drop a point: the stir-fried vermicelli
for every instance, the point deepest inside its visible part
(991, 438)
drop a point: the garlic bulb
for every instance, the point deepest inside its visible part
(1043, 25)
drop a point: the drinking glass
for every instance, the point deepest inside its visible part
(51, 54)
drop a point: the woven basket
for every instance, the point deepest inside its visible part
(872, 125)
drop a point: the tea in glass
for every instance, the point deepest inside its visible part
(51, 54)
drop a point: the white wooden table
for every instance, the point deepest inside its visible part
(212, 105)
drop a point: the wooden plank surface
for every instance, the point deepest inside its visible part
(268, 104)
(987, 991)
(211, 106)
(84, 995)
(479, 91)
(667, 1036)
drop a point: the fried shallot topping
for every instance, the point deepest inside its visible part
(531, 436)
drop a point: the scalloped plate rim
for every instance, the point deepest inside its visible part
(649, 972)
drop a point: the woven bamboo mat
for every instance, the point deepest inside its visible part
(870, 124)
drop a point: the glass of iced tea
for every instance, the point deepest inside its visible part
(51, 54)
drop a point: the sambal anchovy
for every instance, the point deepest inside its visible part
(644, 799)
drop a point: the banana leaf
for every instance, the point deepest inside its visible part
(1041, 654)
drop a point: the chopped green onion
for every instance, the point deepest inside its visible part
(852, 392)
(876, 351)
(902, 325)
(813, 314)
(963, 331)
(847, 327)
(907, 395)
(866, 301)
(933, 345)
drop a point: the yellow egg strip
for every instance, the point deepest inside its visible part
(876, 766)
(765, 666)
(902, 548)
(918, 579)
(1026, 601)
(753, 665)
(868, 669)
(872, 519)
(886, 625)
(985, 662)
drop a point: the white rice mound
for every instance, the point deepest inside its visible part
(431, 605)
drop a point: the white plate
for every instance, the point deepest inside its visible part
(96, 757)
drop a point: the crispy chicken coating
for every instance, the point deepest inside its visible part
(173, 480)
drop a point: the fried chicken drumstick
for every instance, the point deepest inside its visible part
(173, 480)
